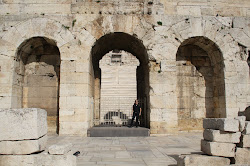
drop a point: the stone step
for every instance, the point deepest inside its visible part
(118, 132)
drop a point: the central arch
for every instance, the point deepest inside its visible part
(130, 44)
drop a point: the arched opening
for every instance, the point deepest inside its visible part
(200, 83)
(37, 78)
(117, 44)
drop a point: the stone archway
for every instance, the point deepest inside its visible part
(200, 83)
(128, 43)
(36, 78)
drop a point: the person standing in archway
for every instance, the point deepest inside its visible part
(136, 113)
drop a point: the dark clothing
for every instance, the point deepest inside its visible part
(137, 119)
(136, 108)
(136, 113)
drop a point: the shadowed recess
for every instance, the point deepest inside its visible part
(120, 41)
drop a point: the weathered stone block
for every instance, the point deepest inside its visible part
(244, 141)
(242, 120)
(60, 149)
(247, 128)
(38, 160)
(242, 156)
(20, 124)
(23, 146)
(218, 149)
(221, 136)
(223, 124)
(196, 160)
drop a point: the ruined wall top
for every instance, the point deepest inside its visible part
(142, 7)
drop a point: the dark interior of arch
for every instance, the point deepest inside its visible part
(43, 49)
(120, 41)
(207, 45)
(200, 82)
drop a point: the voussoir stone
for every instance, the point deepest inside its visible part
(20, 124)
(218, 149)
(223, 124)
(242, 156)
(197, 160)
(60, 149)
(221, 136)
(23, 146)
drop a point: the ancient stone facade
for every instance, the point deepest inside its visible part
(193, 58)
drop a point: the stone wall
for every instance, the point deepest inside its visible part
(153, 31)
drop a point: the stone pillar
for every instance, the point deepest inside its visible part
(9, 93)
(76, 92)
(163, 98)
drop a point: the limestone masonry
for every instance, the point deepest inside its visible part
(229, 147)
(191, 61)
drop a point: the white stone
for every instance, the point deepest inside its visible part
(117, 120)
(245, 141)
(23, 146)
(242, 156)
(221, 136)
(20, 124)
(197, 160)
(247, 128)
(218, 149)
(223, 124)
(60, 149)
(37, 160)
(242, 120)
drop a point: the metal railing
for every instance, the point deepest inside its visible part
(115, 111)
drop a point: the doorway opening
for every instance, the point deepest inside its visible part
(120, 75)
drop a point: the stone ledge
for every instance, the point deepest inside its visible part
(22, 124)
(223, 124)
(195, 160)
(23, 146)
(38, 160)
(221, 136)
(218, 149)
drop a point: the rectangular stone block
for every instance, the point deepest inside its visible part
(221, 136)
(218, 149)
(242, 121)
(37, 160)
(242, 156)
(196, 160)
(20, 124)
(223, 124)
(60, 149)
(23, 146)
(244, 141)
(247, 128)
